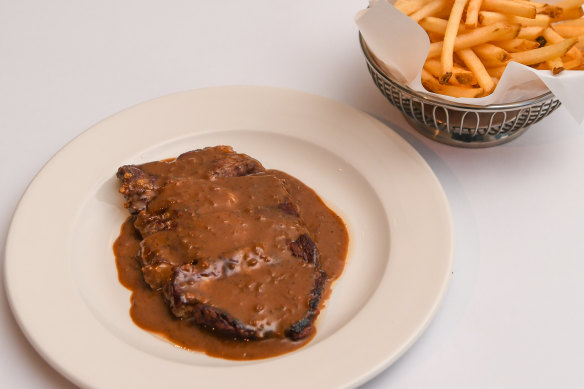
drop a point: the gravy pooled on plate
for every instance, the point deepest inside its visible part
(224, 256)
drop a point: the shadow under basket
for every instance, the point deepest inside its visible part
(456, 124)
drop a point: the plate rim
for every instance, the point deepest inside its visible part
(381, 364)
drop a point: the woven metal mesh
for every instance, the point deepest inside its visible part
(465, 126)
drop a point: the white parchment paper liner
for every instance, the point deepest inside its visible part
(401, 46)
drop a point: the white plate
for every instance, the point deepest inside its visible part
(61, 277)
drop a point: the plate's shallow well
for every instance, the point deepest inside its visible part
(60, 272)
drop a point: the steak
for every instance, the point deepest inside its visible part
(224, 242)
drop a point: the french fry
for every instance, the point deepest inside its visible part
(433, 67)
(569, 30)
(556, 65)
(437, 25)
(535, 56)
(463, 76)
(572, 64)
(517, 44)
(580, 44)
(542, 66)
(550, 10)
(496, 71)
(435, 37)
(473, 62)
(540, 20)
(510, 7)
(571, 22)
(569, 13)
(552, 36)
(446, 56)
(495, 32)
(434, 24)
(460, 76)
(491, 55)
(570, 3)
(489, 17)
(530, 33)
(472, 41)
(408, 7)
(472, 13)
(429, 9)
(544, 8)
(433, 85)
(444, 13)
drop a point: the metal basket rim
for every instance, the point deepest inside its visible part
(455, 106)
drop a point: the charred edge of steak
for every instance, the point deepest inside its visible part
(215, 320)
(305, 248)
(203, 315)
(149, 223)
(137, 186)
(304, 327)
(235, 165)
(220, 149)
(229, 164)
(222, 323)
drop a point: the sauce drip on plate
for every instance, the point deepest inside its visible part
(252, 254)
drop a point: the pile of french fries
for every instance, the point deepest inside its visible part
(472, 41)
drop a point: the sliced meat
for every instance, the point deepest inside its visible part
(140, 183)
(247, 295)
(137, 186)
(304, 327)
(305, 248)
(159, 254)
(224, 242)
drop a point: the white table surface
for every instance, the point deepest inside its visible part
(514, 312)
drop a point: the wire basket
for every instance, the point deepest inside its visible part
(460, 125)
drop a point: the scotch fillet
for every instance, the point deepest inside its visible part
(224, 242)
